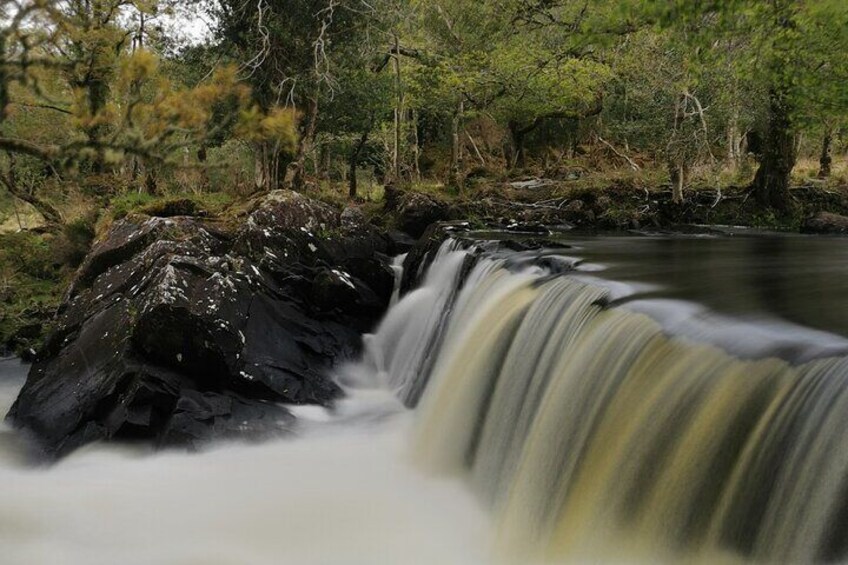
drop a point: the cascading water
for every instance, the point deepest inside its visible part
(581, 423)
(593, 427)
(400, 351)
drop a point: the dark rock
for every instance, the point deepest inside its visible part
(373, 271)
(399, 242)
(333, 289)
(392, 198)
(201, 416)
(353, 218)
(178, 331)
(527, 227)
(416, 211)
(290, 363)
(125, 239)
(826, 223)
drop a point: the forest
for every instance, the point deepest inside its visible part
(610, 114)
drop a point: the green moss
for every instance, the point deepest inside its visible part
(125, 204)
(203, 204)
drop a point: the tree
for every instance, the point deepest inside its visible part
(285, 50)
(796, 50)
(361, 102)
(115, 103)
(521, 63)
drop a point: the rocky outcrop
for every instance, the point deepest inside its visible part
(178, 330)
(415, 211)
(826, 223)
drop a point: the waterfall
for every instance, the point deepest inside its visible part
(399, 352)
(397, 269)
(577, 422)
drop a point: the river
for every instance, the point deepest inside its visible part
(670, 397)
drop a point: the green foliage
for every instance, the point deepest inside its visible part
(30, 288)
(795, 47)
(78, 236)
(405, 92)
(28, 255)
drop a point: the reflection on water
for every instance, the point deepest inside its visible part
(802, 280)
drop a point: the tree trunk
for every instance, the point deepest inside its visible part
(267, 166)
(826, 159)
(771, 183)
(261, 172)
(4, 80)
(416, 146)
(456, 145)
(98, 94)
(677, 182)
(150, 182)
(398, 126)
(517, 134)
(295, 174)
(679, 173)
(97, 90)
(326, 162)
(351, 178)
(354, 158)
(734, 153)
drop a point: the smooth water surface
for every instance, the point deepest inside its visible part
(802, 280)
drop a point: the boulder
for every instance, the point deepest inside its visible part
(178, 330)
(416, 211)
(353, 218)
(826, 223)
(399, 242)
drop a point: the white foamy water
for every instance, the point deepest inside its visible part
(343, 493)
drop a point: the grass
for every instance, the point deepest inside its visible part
(201, 204)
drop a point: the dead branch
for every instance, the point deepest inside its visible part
(618, 153)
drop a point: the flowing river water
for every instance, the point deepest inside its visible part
(623, 399)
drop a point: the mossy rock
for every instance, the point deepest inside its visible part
(173, 207)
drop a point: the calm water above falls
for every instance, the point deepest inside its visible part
(800, 280)
(714, 427)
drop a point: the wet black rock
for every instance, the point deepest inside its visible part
(826, 223)
(178, 330)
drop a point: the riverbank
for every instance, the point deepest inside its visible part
(623, 205)
(36, 266)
